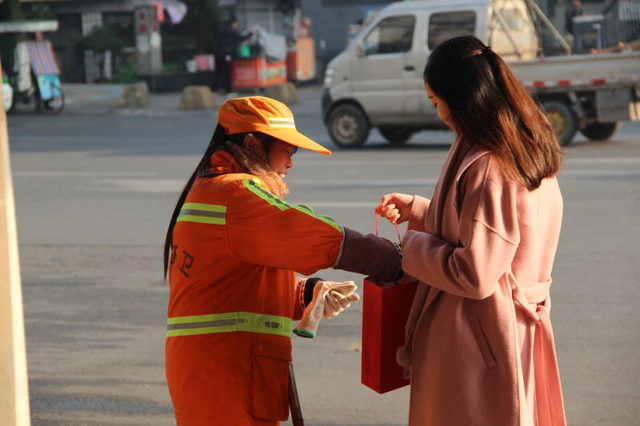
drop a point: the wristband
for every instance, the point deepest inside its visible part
(309, 285)
(400, 271)
(300, 295)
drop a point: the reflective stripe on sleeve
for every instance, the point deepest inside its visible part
(211, 214)
(227, 323)
(258, 190)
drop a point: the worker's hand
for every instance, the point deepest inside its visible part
(395, 207)
(339, 297)
(308, 325)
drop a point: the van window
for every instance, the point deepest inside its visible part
(391, 35)
(443, 26)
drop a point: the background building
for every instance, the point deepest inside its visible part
(333, 22)
(332, 19)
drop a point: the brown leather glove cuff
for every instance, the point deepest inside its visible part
(369, 255)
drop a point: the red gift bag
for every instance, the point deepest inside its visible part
(385, 312)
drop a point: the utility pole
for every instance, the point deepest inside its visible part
(14, 385)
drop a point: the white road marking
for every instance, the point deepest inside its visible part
(70, 173)
(360, 182)
(604, 160)
(365, 162)
(144, 185)
(335, 204)
(176, 185)
(599, 172)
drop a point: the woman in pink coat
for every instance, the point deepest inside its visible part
(479, 343)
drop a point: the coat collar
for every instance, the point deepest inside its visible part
(475, 153)
(223, 162)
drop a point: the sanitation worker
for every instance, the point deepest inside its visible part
(232, 249)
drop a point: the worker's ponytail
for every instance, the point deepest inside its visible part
(251, 151)
(217, 140)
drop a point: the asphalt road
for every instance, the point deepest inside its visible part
(94, 193)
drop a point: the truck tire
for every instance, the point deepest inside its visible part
(563, 120)
(601, 131)
(396, 135)
(348, 126)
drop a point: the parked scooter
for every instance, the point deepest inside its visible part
(35, 77)
(52, 103)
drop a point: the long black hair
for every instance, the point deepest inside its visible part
(219, 141)
(490, 107)
(201, 170)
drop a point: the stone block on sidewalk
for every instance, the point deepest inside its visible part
(197, 97)
(135, 95)
(286, 93)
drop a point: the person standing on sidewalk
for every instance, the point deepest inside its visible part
(231, 251)
(228, 39)
(479, 342)
(574, 9)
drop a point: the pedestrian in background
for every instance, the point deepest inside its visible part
(573, 10)
(228, 40)
(479, 342)
(231, 250)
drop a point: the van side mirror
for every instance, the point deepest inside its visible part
(360, 50)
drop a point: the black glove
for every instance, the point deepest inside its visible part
(369, 255)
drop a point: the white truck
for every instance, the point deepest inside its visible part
(377, 81)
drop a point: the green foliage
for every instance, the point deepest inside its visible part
(203, 16)
(172, 67)
(10, 10)
(99, 40)
(126, 74)
(39, 11)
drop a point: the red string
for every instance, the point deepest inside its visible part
(395, 224)
(404, 278)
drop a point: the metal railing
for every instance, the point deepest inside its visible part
(621, 22)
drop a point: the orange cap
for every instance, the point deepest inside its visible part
(264, 115)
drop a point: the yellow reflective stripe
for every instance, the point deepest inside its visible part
(282, 122)
(201, 318)
(201, 219)
(267, 196)
(212, 214)
(205, 207)
(229, 322)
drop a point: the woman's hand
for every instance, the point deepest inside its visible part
(339, 297)
(395, 207)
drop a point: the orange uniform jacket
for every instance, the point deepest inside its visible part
(232, 283)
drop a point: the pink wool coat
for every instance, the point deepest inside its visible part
(479, 339)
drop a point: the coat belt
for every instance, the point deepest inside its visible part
(535, 303)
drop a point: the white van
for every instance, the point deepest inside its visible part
(377, 81)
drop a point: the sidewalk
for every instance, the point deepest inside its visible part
(95, 99)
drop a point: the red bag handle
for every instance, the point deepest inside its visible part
(395, 224)
(404, 278)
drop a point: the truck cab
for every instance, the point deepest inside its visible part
(377, 81)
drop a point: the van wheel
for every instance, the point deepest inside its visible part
(396, 135)
(563, 121)
(348, 126)
(601, 131)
